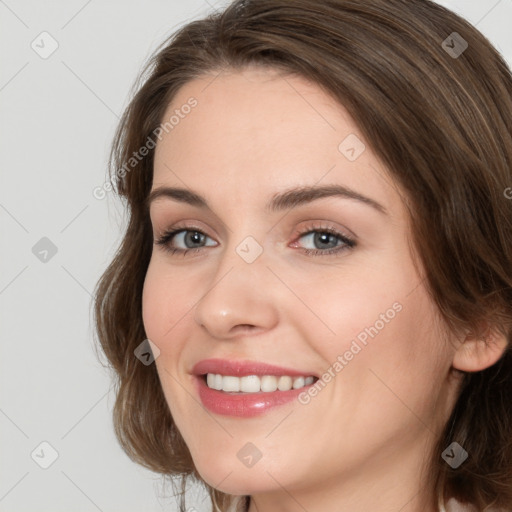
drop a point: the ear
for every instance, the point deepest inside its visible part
(477, 353)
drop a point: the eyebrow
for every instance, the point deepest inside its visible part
(282, 201)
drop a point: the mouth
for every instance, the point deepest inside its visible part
(247, 388)
(256, 383)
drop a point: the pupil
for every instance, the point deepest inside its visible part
(193, 237)
(323, 238)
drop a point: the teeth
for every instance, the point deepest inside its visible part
(299, 382)
(284, 383)
(230, 383)
(268, 383)
(255, 383)
(249, 384)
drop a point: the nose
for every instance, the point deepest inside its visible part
(239, 298)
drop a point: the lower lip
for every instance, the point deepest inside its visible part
(244, 405)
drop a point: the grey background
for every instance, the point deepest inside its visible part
(58, 116)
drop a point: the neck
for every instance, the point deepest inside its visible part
(375, 487)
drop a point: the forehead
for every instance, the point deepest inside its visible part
(259, 130)
(256, 110)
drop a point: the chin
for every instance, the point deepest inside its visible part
(235, 479)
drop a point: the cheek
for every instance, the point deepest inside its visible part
(152, 304)
(377, 319)
(400, 354)
(163, 301)
(164, 314)
(344, 304)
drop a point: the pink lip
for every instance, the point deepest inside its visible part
(244, 368)
(247, 404)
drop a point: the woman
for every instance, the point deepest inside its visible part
(311, 306)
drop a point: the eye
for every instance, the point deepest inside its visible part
(189, 239)
(324, 241)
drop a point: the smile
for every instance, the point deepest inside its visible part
(256, 383)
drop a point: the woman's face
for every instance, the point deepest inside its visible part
(320, 283)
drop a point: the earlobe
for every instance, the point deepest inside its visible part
(478, 353)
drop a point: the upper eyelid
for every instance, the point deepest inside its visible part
(155, 214)
(224, 228)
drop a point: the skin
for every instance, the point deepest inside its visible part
(253, 134)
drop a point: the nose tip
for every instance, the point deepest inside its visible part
(224, 323)
(235, 306)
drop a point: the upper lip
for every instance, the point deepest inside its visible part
(241, 368)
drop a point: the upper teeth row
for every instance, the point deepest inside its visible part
(255, 383)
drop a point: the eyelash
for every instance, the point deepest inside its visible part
(350, 243)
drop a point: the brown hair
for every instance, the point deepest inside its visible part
(440, 121)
